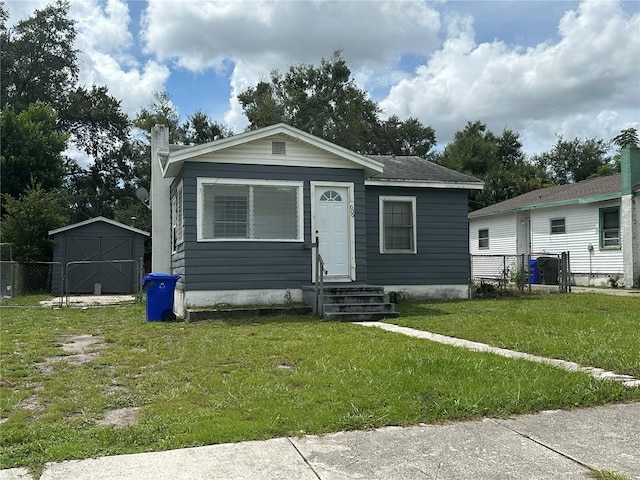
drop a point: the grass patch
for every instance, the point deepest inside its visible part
(607, 475)
(590, 329)
(232, 380)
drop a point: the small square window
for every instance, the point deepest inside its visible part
(557, 226)
(483, 239)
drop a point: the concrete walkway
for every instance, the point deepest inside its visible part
(599, 373)
(548, 445)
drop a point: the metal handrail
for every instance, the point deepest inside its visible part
(319, 284)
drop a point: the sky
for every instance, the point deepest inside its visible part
(541, 68)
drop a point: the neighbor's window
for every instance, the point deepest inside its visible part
(249, 210)
(483, 238)
(557, 226)
(610, 227)
(177, 228)
(397, 225)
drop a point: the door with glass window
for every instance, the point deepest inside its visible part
(332, 226)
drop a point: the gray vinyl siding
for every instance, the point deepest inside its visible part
(242, 265)
(442, 256)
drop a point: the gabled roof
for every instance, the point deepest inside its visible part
(98, 219)
(587, 191)
(413, 171)
(200, 152)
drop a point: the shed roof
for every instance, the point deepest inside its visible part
(588, 191)
(99, 219)
(416, 171)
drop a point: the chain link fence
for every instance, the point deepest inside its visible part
(75, 284)
(521, 271)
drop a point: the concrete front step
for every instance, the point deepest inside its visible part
(355, 298)
(359, 307)
(359, 317)
(353, 303)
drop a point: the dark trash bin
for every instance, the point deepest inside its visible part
(549, 268)
(160, 288)
(534, 272)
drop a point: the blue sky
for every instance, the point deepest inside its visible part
(542, 68)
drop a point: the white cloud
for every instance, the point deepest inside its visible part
(259, 36)
(569, 87)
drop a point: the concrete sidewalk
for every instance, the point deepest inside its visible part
(548, 445)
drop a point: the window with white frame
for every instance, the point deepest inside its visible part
(233, 209)
(557, 226)
(177, 228)
(397, 224)
(483, 238)
(610, 227)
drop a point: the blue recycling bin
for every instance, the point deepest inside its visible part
(160, 288)
(534, 272)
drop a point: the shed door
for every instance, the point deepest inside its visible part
(332, 224)
(115, 277)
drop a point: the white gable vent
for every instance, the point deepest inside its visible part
(278, 148)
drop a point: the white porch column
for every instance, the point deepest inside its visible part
(160, 203)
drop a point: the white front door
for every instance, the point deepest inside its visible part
(332, 226)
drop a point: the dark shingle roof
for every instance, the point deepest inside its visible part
(416, 169)
(594, 188)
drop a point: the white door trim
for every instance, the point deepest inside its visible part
(350, 225)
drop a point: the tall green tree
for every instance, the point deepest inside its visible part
(628, 136)
(325, 101)
(199, 128)
(575, 160)
(38, 59)
(498, 160)
(28, 220)
(31, 149)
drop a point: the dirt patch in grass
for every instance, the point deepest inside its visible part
(82, 348)
(121, 417)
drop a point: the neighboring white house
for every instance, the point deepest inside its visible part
(597, 221)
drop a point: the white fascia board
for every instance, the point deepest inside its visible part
(192, 153)
(98, 219)
(422, 184)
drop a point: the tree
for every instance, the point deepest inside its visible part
(200, 128)
(161, 111)
(403, 138)
(576, 160)
(94, 120)
(497, 160)
(28, 220)
(31, 149)
(325, 101)
(628, 136)
(37, 59)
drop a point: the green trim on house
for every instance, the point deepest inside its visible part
(630, 169)
(560, 203)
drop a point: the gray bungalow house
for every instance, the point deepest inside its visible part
(237, 219)
(597, 221)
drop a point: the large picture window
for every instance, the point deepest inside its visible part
(397, 225)
(610, 227)
(231, 209)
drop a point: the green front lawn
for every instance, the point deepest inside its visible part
(226, 381)
(591, 329)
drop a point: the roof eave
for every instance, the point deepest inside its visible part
(424, 184)
(177, 158)
(559, 203)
